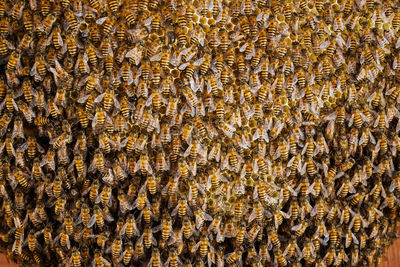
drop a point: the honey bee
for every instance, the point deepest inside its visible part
(292, 248)
(5, 23)
(148, 238)
(281, 260)
(17, 10)
(59, 207)
(181, 209)
(156, 258)
(116, 248)
(300, 229)
(14, 60)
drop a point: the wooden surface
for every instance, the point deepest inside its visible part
(392, 259)
(4, 262)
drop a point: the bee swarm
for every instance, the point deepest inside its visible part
(199, 132)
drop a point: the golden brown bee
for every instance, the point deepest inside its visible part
(5, 46)
(14, 60)
(71, 19)
(60, 205)
(5, 23)
(148, 238)
(234, 256)
(273, 236)
(17, 10)
(25, 42)
(47, 234)
(116, 248)
(281, 260)
(396, 20)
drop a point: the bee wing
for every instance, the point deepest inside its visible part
(285, 215)
(314, 211)
(193, 168)
(91, 221)
(324, 190)
(23, 147)
(225, 162)
(243, 47)
(99, 98)
(94, 121)
(277, 153)
(252, 216)
(340, 189)
(147, 22)
(195, 247)
(296, 227)
(187, 152)
(175, 59)
(101, 20)
(392, 186)
(175, 210)
(342, 217)
(92, 166)
(156, 57)
(183, 66)
(390, 91)
(148, 167)
(310, 189)
(34, 69)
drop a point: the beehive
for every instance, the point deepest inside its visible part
(199, 133)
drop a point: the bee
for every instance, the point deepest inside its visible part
(17, 10)
(40, 66)
(319, 209)
(231, 258)
(148, 238)
(19, 199)
(156, 258)
(48, 22)
(116, 248)
(87, 219)
(14, 60)
(181, 209)
(126, 107)
(99, 118)
(47, 234)
(299, 229)
(52, 110)
(291, 248)
(71, 19)
(99, 260)
(25, 42)
(5, 23)
(273, 237)
(27, 112)
(309, 147)
(83, 118)
(99, 217)
(203, 244)
(106, 195)
(281, 260)
(143, 165)
(60, 205)
(3, 89)
(308, 251)
(130, 227)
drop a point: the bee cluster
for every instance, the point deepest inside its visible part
(199, 132)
